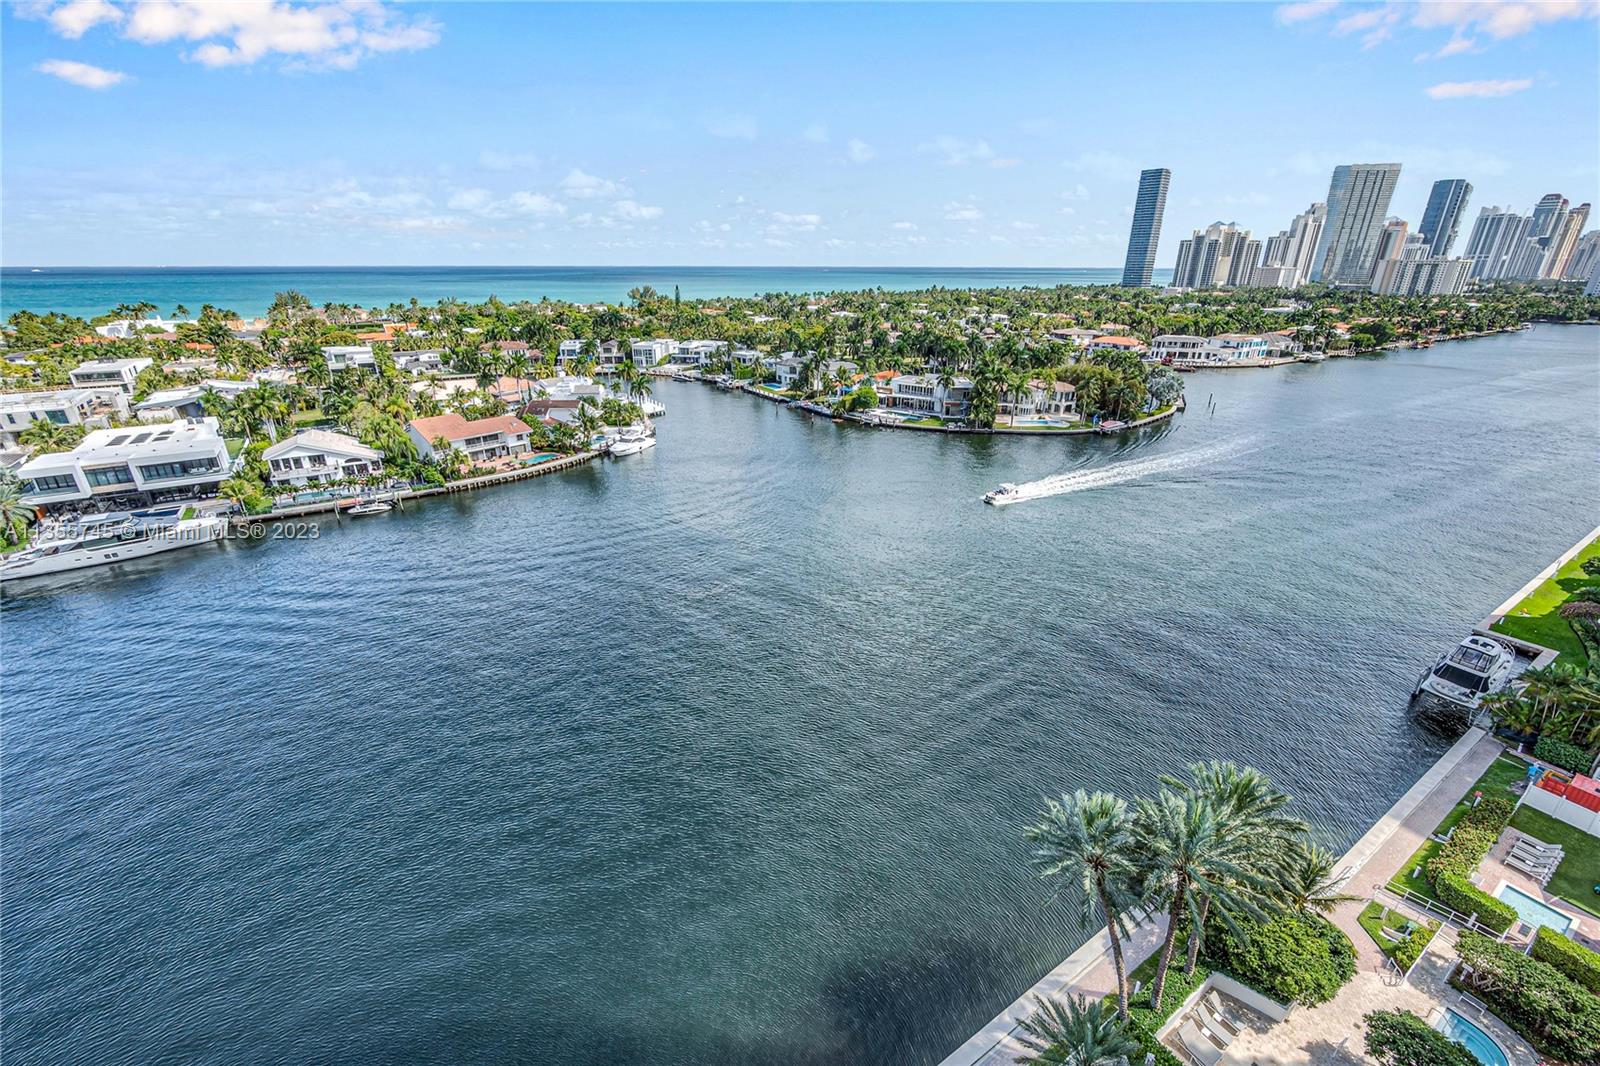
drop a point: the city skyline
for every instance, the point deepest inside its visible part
(143, 134)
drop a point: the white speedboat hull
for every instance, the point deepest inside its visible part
(47, 559)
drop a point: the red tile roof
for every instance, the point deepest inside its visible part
(453, 427)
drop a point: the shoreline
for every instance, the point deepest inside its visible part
(1076, 974)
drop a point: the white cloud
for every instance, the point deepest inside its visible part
(1452, 90)
(77, 17)
(816, 133)
(860, 151)
(733, 127)
(534, 203)
(89, 77)
(784, 222)
(1079, 191)
(958, 152)
(904, 225)
(1375, 24)
(1455, 46)
(469, 200)
(1501, 18)
(1304, 12)
(243, 32)
(581, 186)
(634, 212)
(1024, 227)
(961, 212)
(1105, 164)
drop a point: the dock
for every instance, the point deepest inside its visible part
(470, 484)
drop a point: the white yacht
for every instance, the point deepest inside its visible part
(1007, 493)
(1468, 672)
(632, 441)
(96, 540)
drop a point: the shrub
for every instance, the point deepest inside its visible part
(1462, 895)
(1570, 957)
(1591, 566)
(1409, 950)
(1554, 1014)
(1558, 752)
(1464, 851)
(1400, 1038)
(1492, 811)
(1292, 958)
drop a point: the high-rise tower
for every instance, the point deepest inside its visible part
(1148, 207)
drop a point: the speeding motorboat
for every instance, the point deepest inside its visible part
(1006, 493)
(1468, 672)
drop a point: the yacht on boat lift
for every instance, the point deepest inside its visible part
(1468, 672)
(632, 441)
(96, 540)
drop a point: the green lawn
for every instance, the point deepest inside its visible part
(308, 417)
(1375, 917)
(1498, 778)
(1579, 872)
(1535, 618)
(235, 446)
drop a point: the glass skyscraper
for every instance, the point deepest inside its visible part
(1442, 216)
(1146, 232)
(1358, 203)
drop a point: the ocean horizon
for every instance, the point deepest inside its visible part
(90, 291)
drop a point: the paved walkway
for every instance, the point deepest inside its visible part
(1372, 862)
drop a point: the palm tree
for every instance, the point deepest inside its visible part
(1081, 1032)
(1188, 855)
(1087, 838)
(1310, 884)
(14, 515)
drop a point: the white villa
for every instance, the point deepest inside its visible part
(1057, 400)
(171, 460)
(698, 353)
(123, 328)
(425, 361)
(923, 393)
(653, 353)
(345, 356)
(185, 402)
(109, 373)
(64, 407)
(1228, 349)
(606, 353)
(313, 456)
(482, 439)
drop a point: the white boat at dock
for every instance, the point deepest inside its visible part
(370, 507)
(98, 540)
(1468, 672)
(632, 441)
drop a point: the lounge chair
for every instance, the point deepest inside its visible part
(1538, 845)
(1200, 1049)
(1522, 847)
(1214, 1011)
(1541, 874)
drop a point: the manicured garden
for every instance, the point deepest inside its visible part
(1397, 936)
(1495, 782)
(1535, 617)
(1575, 879)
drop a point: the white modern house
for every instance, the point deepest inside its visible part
(1171, 347)
(481, 439)
(64, 407)
(606, 353)
(1226, 350)
(923, 394)
(698, 353)
(168, 405)
(168, 461)
(424, 361)
(346, 356)
(647, 354)
(787, 369)
(109, 373)
(314, 456)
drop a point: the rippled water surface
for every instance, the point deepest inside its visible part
(718, 754)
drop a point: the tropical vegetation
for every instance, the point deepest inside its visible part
(1557, 1015)
(1400, 1038)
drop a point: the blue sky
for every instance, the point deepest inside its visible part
(166, 132)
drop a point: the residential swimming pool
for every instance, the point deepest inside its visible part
(1475, 1040)
(1533, 911)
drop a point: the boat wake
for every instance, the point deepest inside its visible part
(1100, 477)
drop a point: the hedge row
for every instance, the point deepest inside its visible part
(1560, 753)
(1555, 1014)
(1570, 957)
(1474, 835)
(1460, 894)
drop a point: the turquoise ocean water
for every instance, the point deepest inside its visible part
(91, 291)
